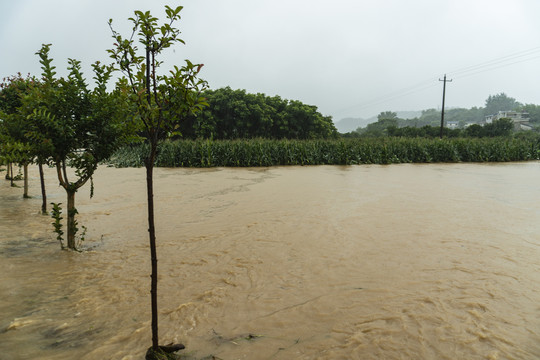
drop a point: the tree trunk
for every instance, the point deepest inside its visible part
(25, 169)
(153, 253)
(71, 224)
(8, 171)
(43, 192)
(11, 173)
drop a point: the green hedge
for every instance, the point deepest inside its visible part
(263, 152)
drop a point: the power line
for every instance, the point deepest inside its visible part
(394, 95)
(465, 75)
(460, 73)
(496, 61)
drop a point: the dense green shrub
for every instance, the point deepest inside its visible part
(233, 114)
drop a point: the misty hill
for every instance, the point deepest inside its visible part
(350, 124)
(346, 125)
(408, 114)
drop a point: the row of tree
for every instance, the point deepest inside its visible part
(62, 122)
(500, 127)
(388, 125)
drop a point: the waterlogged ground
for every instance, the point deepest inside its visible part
(362, 262)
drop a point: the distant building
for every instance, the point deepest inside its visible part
(520, 119)
(452, 124)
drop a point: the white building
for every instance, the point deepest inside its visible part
(452, 124)
(520, 119)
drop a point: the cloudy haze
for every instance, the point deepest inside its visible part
(350, 58)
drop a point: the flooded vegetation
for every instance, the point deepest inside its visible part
(269, 152)
(436, 261)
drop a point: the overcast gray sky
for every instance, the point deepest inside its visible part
(350, 58)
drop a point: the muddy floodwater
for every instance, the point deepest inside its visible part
(438, 261)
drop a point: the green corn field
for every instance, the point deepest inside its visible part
(266, 152)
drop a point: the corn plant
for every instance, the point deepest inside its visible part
(266, 152)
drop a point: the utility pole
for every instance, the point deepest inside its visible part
(443, 95)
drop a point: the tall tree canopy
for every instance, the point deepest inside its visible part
(237, 114)
(500, 102)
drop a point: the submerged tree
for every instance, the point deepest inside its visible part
(80, 126)
(158, 103)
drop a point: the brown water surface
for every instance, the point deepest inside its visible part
(363, 262)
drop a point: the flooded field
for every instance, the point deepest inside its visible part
(438, 261)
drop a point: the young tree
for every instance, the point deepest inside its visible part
(80, 126)
(158, 103)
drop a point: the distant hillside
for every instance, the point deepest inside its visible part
(350, 124)
(408, 114)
